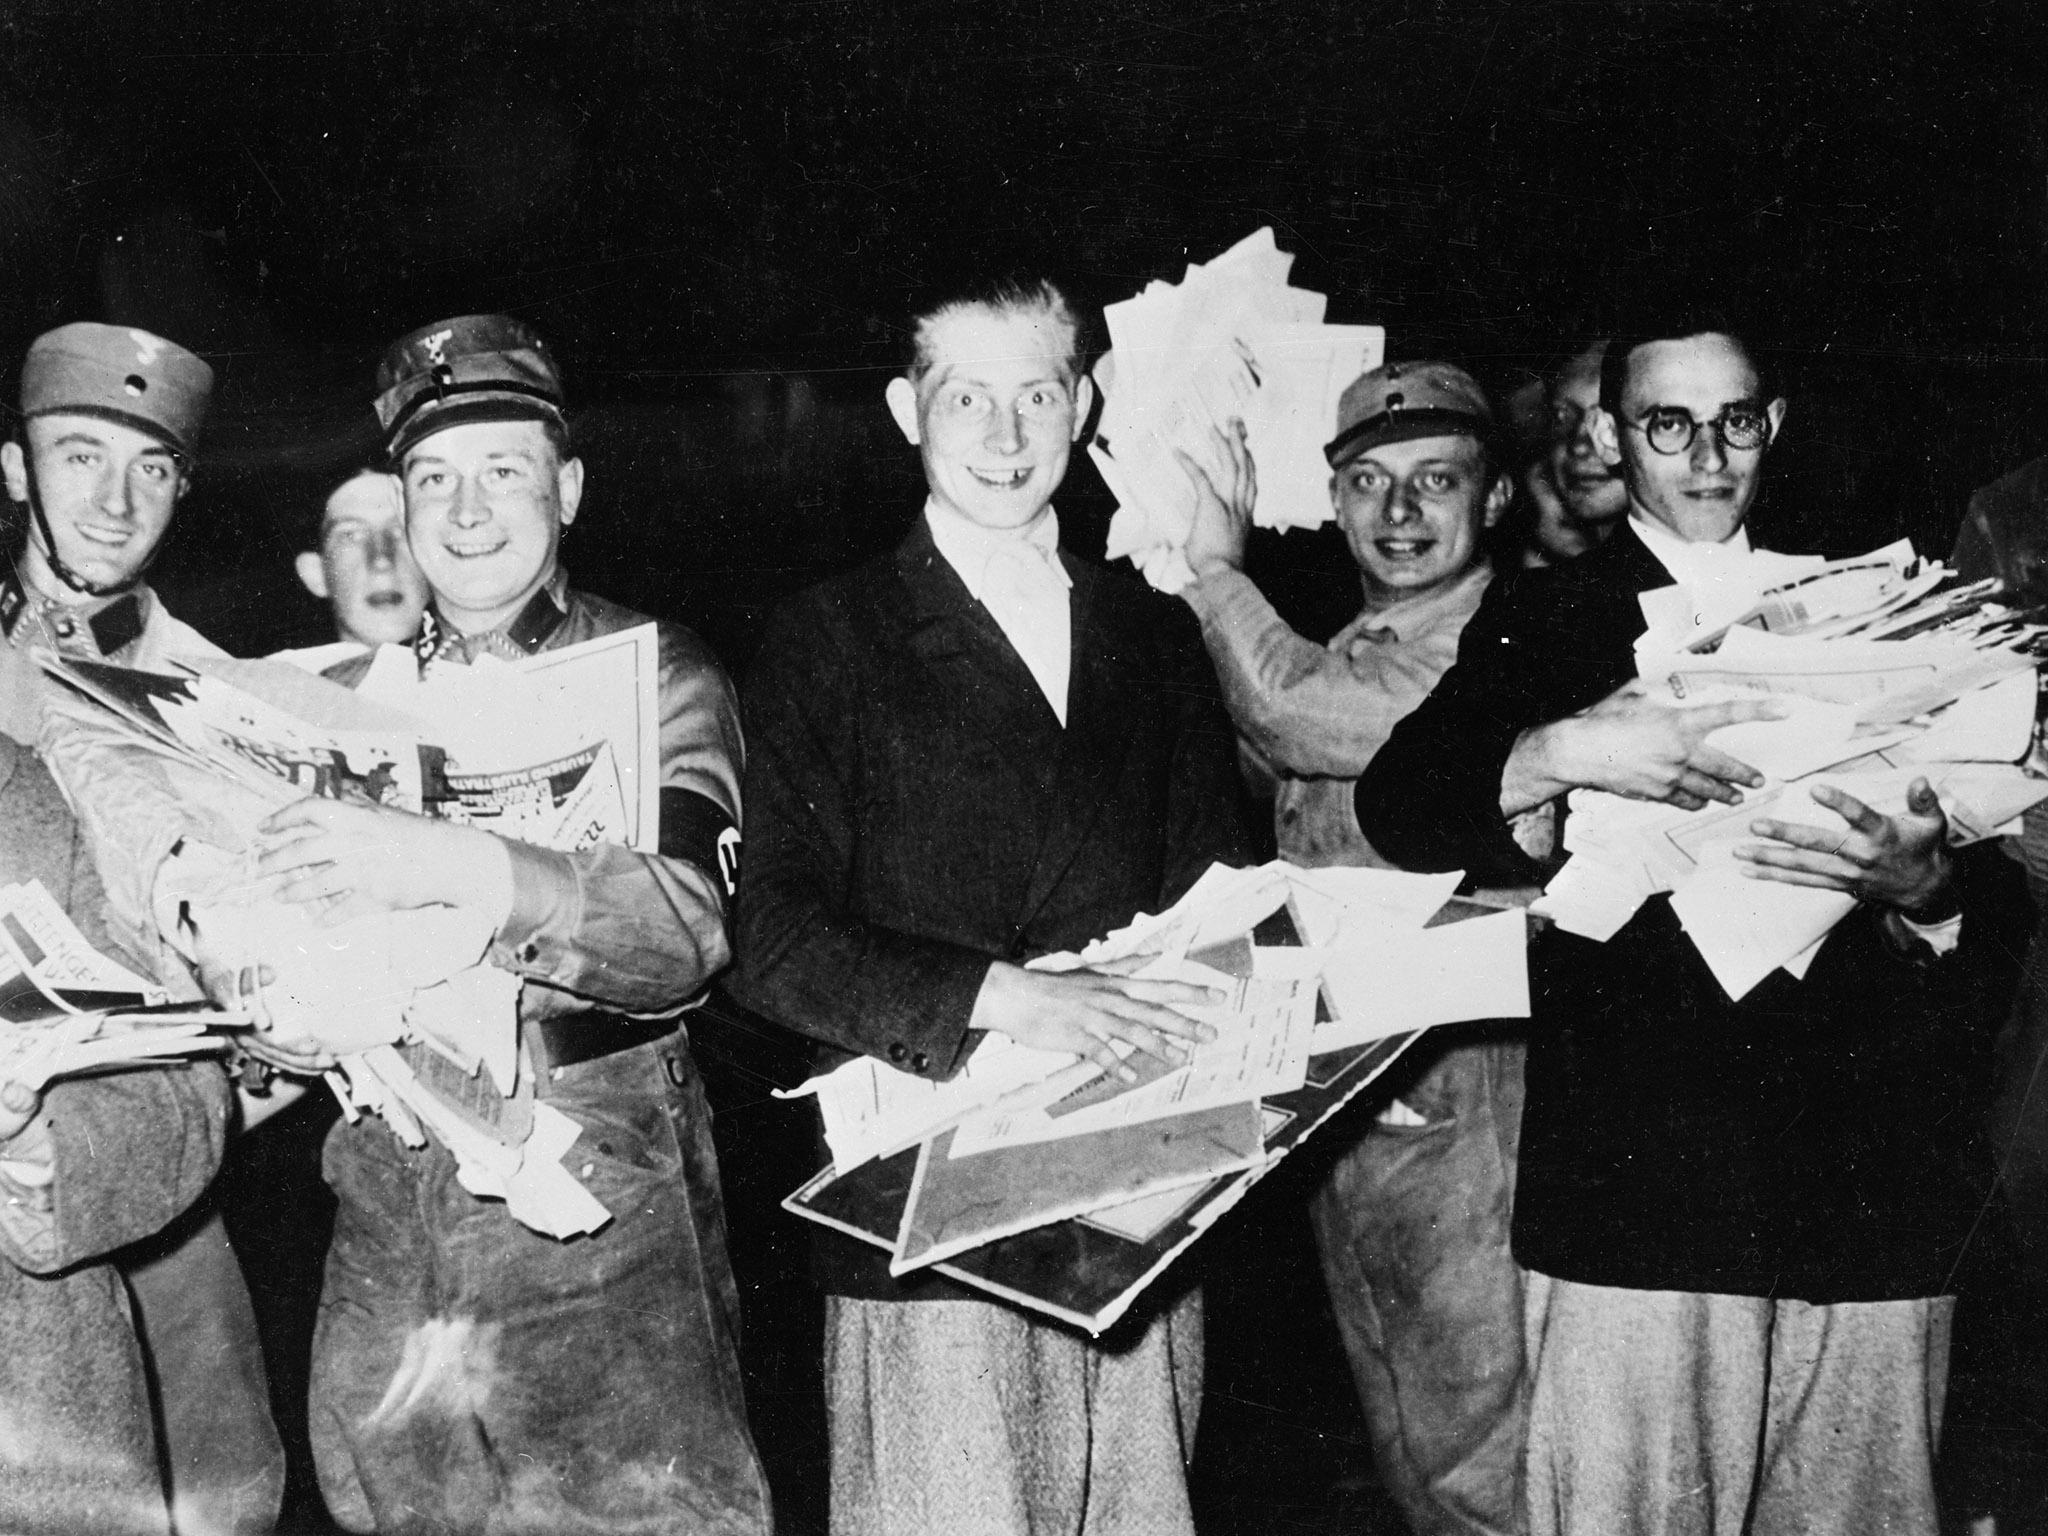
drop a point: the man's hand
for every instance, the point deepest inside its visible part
(240, 990)
(1900, 862)
(342, 861)
(1632, 744)
(1223, 514)
(18, 1106)
(1086, 1011)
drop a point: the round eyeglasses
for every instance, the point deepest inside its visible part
(1670, 429)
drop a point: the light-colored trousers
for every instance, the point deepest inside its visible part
(1677, 1413)
(957, 1417)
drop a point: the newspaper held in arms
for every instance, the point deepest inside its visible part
(66, 1010)
(1024, 1138)
(559, 750)
(1232, 341)
(1887, 669)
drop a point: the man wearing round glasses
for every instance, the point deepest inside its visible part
(1741, 1217)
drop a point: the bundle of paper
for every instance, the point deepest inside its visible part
(1232, 341)
(66, 1010)
(1022, 1138)
(1887, 669)
(559, 750)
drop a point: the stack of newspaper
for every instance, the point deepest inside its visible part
(1022, 1138)
(1888, 669)
(1232, 341)
(66, 1010)
(560, 750)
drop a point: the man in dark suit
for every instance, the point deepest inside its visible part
(972, 751)
(1742, 1217)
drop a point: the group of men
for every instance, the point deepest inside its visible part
(1658, 1263)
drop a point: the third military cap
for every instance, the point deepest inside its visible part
(121, 374)
(1404, 401)
(470, 368)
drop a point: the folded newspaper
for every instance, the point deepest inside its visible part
(66, 1010)
(1022, 1138)
(1887, 668)
(172, 774)
(1232, 341)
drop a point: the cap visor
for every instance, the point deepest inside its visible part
(462, 413)
(1403, 427)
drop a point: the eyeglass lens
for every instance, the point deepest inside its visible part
(1671, 429)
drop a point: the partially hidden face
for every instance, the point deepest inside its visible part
(996, 414)
(366, 569)
(1592, 489)
(1703, 492)
(1414, 512)
(107, 491)
(485, 506)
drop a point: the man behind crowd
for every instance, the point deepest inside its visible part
(974, 750)
(1741, 1218)
(1412, 1221)
(468, 1372)
(104, 454)
(362, 567)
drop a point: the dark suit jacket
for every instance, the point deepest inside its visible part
(915, 810)
(1816, 1140)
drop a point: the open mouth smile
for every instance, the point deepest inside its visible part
(1002, 479)
(475, 551)
(1404, 549)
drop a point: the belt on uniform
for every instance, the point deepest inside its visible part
(581, 1037)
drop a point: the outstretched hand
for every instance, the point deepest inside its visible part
(1087, 1012)
(1899, 862)
(1634, 744)
(1223, 513)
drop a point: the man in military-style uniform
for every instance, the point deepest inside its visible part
(110, 416)
(470, 1373)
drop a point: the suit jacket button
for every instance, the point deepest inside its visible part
(898, 1050)
(920, 1061)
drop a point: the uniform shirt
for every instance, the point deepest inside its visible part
(132, 628)
(1310, 717)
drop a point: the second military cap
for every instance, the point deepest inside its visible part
(1404, 401)
(470, 368)
(120, 374)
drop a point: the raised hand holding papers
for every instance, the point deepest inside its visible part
(1231, 342)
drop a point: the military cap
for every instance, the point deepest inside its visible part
(120, 374)
(470, 368)
(1404, 401)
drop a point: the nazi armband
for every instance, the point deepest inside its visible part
(697, 828)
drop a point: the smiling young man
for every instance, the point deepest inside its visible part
(110, 423)
(363, 567)
(600, 1390)
(1741, 1218)
(971, 751)
(1412, 1220)
(1591, 499)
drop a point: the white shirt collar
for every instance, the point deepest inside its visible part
(1684, 559)
(969, 547)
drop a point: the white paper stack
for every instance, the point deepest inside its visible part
(1232, 341)
(1887, 671)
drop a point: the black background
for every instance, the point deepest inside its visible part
(715, 212)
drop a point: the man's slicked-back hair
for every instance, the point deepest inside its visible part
(1678, 327)
(1010, 293)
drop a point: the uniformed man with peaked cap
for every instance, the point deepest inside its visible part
(110, 421)
(470, 1373)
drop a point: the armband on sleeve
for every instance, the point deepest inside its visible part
(697, 828)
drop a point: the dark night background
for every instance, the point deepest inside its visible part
(715, 212)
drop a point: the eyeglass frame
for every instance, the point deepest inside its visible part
(1693, 426)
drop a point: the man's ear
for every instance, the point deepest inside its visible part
(902, 397)
(1497, 498)
(15, 467)
(569, 488)
(1606, 434)
(1776, 412)
(1084, 401)
(312, 573)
